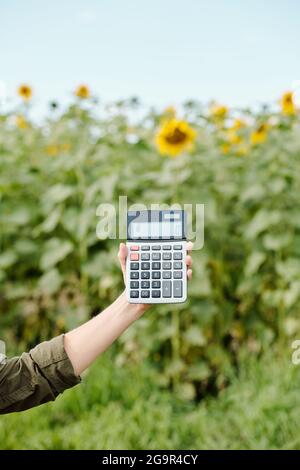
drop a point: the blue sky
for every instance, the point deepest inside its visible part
(239, 52)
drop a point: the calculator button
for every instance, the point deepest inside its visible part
(145, 293)
(134, 293)
(155, 274)
(177, 288)
(134, 265)
(145, 256)
(134, 275)
(145, 247)
(156, 256)
(167, 255)
(134, 248)
(166, 247)
(145, 265)
(145, 284)
(156, 247)
(155, 293)
(167, 274)
(145, 275)
(177, 265)
(166, 265)
(134, 257)
(166, 288)
(177, 247)
(177, 256)
(177, 274)
(134, 284)
(155, 285)
(156, 266)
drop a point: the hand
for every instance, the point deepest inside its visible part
(122, 258)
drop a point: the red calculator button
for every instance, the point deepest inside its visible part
(134, 248)
(134, 257)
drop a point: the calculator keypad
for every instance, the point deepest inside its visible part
(157, 272)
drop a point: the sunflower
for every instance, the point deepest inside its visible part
(218, 111)
(238, 124)
(25, 91)
(225, 148)
(233, 137)
(242, 150)
(83, 92)
(174, 136)
(169, 113)
(259, 135)
(21, 122)
(287, 104)
(52, 150)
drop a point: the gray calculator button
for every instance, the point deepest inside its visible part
(177, 274)
(134, 293)
(166, 247)
(156, 266)
(156, 247)
(167, 255)
(145, 265)
(177, 255)
(155, 285)
(167, 274)
(155, 293)
(145, 256)
(177, 247)
(134, 265)
(145, 293)
(134, 284)
(166, 288)
(145, 247)
(156, 256)
(134, 275)
(166, 265)
(177, 288)
(155, 274)
(177, 265)
(145, 284)
(145, 275)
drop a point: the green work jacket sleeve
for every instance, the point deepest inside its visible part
(36, 377)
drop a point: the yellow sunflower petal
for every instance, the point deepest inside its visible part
(287, 104)
(218, 111)
(174, 137)
(25, 92)
(82, 92)
(52, 150)
(21, 122)
(225, 148)
(260, 134)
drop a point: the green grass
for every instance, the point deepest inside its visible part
(121, 408)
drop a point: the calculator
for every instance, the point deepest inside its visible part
(155, 266)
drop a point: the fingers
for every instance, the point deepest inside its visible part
(122, 257)
(189, 261)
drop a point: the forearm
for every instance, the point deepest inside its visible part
(85, 343)
(53, 366)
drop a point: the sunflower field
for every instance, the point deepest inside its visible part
(243, 165)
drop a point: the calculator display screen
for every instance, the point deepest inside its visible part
(164, 229)
(165, 224)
